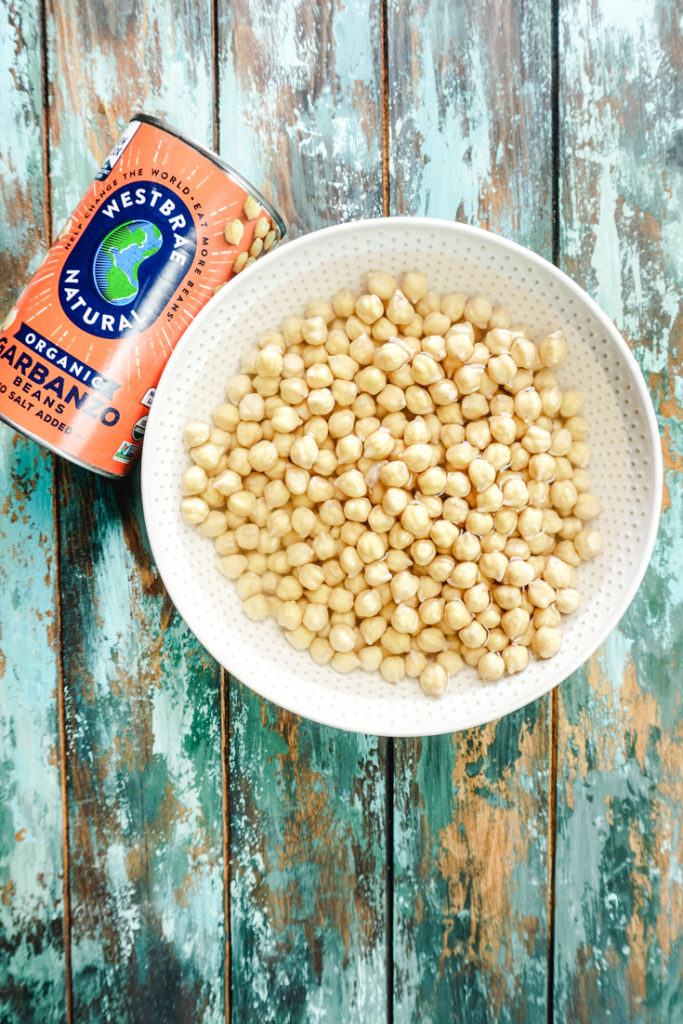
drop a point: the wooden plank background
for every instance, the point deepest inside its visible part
(471, 810)
(619, 906)
(143, 756)
(33, 966)
(171, 846)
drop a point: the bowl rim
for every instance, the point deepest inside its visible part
(424, 223)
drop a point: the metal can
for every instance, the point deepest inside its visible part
(163, 226)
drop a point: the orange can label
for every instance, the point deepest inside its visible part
(164, 224)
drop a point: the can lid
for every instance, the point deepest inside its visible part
(157, 122)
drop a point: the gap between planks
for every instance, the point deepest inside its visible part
(553, 738)
(61, 695)
(384, 80)
(63, 774)
(389, 759)
(223, 677)
(224, 682)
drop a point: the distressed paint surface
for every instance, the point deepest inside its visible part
(470, 138)
(299, 110)
(619, 909)
(144, 776)
(300, 104)
(32, 978)
(142, 698)
(307, 865)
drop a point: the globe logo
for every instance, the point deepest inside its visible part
(118, 259)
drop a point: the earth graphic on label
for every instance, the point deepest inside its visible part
(119, 257)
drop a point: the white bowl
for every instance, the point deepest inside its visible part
(626, 464)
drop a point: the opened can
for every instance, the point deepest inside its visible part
(162, 227)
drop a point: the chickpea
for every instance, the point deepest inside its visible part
(376, 573)
(414, 285)
(491, 499)
(477, 598)
(341, 638)
(546, 642)
(372, 629)
(524, 353)
(304, 451)
(501, 368)
(403, 586)
(405, 619)
(394, 642)
(473, 635)
(415, 519)
(493, 564)
(456, 614)
(516, 658)
(515, 622)
(417, 457)
(478, 311)
(432, 481)
(345, 661)
(434, 679)
(587, 506)
(395, 474)
(415, 662)
(399, 538)
(468, 378)
(507, 596)
(379, 444)
(443, 534)
(256, 607)
(369, 308)
(567, 600)
(425, 370)
(233, 566)
(431, 640)
(431, 611)
(464, 575)
(540, 593)
(553, 350)
(314, 330)
(392, 668)
(491, 666)
(276, 494)
(549, 616)
(588, 543)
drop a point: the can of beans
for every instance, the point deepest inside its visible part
(162, 227)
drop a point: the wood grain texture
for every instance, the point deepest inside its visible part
(142, 698)
(32, 974)
(619, 914)
(470, 138)
(299, 102)
(307, 869)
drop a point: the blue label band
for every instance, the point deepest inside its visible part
(65, 362)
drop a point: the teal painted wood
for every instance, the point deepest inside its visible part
(300, 105)
(32, 967)
(307, 869)
(142, 697)
(470, 138)
(619, 911)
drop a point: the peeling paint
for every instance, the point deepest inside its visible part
(619, 926)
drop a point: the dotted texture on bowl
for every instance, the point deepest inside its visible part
(456, 258)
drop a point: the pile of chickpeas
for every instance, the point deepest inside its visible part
(398, 479)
